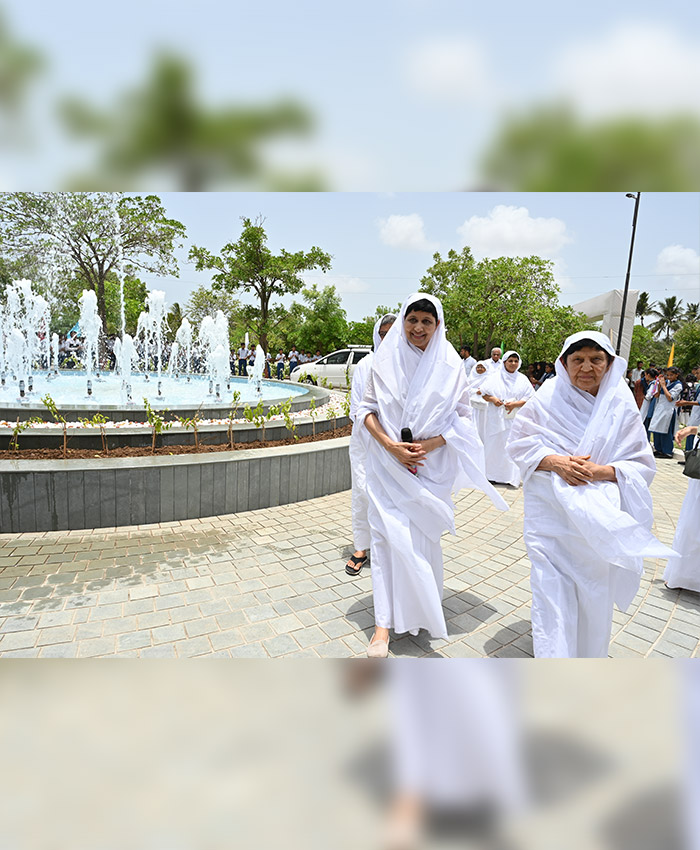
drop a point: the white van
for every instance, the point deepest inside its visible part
(336, 368)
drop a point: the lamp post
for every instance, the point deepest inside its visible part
(636, 196)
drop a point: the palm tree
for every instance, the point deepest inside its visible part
(669, 313)
(644, 306)
(692, 313)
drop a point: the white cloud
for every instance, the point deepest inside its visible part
(449, 69)
(635, 68)
(509, 231)
(405, 231)
(677, 260)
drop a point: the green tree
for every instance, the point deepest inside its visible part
(669, 313)
(647, 348)
(644, 306)
(164, 127)
(362, 333)
(248, 265)
(324, 320)
(687, 351)
(551, 149)
(174, 320)
(19, 66)
(692, 312)
(509, 299)
(135, 294)
(82, 226)
(205, 301)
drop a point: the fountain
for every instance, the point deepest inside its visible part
(29, 352)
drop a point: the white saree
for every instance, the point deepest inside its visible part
(358, 449)
(586, 543)
(507, 386)
(683, 568)
(425, 391)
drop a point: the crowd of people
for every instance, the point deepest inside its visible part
(427, 424)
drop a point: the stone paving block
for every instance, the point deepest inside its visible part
(165, 650)
(55, 618)
(120, 625)
(18, 640)
(280, 645)
(215, 606)
(334, 649)
(57, 634)
(86, 631)
(258, 613)
(19, 624)
(139, 606)
(106, 612)
(21, 653)
(153, 620)
(59, 650)
(287, 623)
(254, 632)
(168, 634)
(195, 628)
(133, 640)
(226, 639)
(164, 603)
(194, 647)
(251, 650)
(96, 647)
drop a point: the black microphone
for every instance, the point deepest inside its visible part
(407, 437)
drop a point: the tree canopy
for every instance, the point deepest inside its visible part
(77, 231)
(248, 265)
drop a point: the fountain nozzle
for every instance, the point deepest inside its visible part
(89, 387)
(21, 389)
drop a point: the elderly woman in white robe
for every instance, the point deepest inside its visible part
(479, 375)
(358, 452)
(587, 466)
(683, 568)
(506, 390)
(417, 382)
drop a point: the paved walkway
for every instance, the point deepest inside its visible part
(271, 583)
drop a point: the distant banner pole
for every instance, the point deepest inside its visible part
(636, 197)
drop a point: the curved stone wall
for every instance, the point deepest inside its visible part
(69, 494)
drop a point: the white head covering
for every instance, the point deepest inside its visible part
(426, 391)
(562, 419)
(508, 386)
(475, 379)
(382, 320)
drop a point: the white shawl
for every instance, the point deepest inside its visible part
(508, 386)
(561, 419)
(425, 391)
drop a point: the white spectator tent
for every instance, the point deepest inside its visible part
(607, 308)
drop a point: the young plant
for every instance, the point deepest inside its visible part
(188, 422)
(50, 405)
(157, 423)
(333, 412)
(345, 405)
(313, 413)
(290, 424)
(235, 399)
(260, 417)
(19, 427)
(97, 421)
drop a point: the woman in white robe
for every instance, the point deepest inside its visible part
(479, 374)
(683, 568)
(358, 452)
(587, 465)
(417, 381)
(506, 390)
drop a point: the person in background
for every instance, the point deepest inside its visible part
(495, 359)
(646, 411)
(683, 568)
(242, 355)
(318, 355)
(279, 364)
(293, 358)
(663, 422)
(549, 372)
(638, 372)
(358, 452)
(468, 361)
(692, 404)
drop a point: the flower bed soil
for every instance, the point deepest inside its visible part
(145, 451)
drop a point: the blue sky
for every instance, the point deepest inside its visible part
(382, 243)
(406, 93)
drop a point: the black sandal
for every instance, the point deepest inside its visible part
(358, 562)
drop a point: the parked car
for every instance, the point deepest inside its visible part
(336, 368)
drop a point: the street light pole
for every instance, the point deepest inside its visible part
(636, 196)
